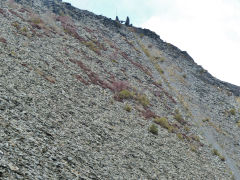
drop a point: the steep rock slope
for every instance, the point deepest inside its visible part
(84, 97)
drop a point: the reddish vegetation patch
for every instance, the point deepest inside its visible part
(147, 113)
(117, 98)
(3, 40)
(131, 44)
(16, 14)
(59, 60)
(24, 64)
(118, 86)
(157, 93)
(82, 80)
(34, 32)
(114, 85)
(94, 78)
(185, 137)
(166, 93)
(22, 10)
(69, 27)
(113, 56)
(112, 45)
(36, 26)
(101, 46)
(2, 12)
(88, 30)
(50, 79)
(140, 66)
(38, 71)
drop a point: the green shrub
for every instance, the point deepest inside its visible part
(91, 46)
(114, 61)
(36, 20)
(193, 148)
(206, 120)
(24, 30)
(222, 158)
(163, 122)
(153, 129)
(216, 153)
(126, 94)
(232, 111)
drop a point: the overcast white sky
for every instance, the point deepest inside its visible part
(209, 30)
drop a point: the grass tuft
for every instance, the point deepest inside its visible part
(143, 100)
(128, 108)
(153, 129)
(179, 117)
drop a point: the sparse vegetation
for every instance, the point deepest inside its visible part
(118, 86)
(159, 69)
(179, 117)
(128, 108)
(153, 129)
(114, 61)
(143, 100)
(238, 123)
(145, 50)
(202, 71)
(2, 40)
(163, 122)
(186, 128)
(196, 138)
(206, 120)
(92, 46)
(24, 29)
(16, 25)
(36, 20)
(216, 153)
(126, 94)
(148, 114)
(162, 59)
(111, 96)
(232, 111)
(193, 148)
(180, 136)
(13, 54)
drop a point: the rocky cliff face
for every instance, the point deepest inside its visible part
(84, 97)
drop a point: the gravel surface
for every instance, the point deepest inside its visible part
(79, 93)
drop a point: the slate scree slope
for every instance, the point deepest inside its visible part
(86, 97)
